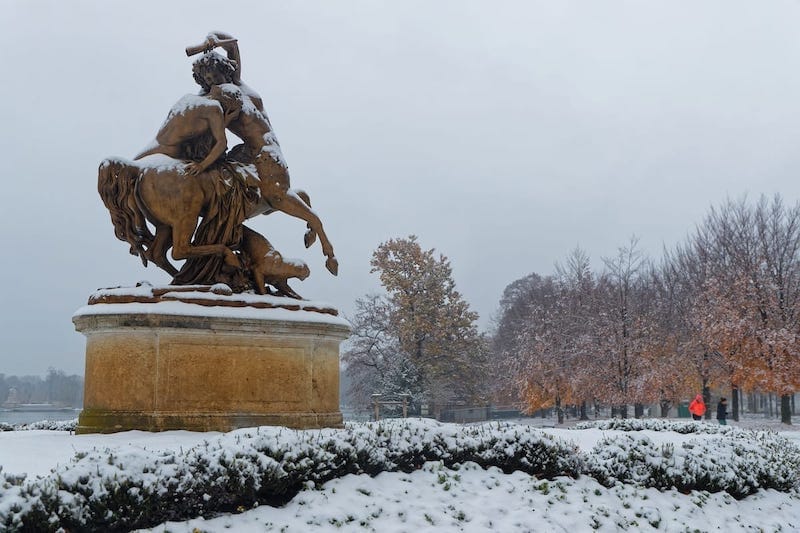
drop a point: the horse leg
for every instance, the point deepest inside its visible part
(182, 248)
(292, 205)
(311, 235)
(158, 250)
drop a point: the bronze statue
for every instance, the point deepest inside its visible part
(187, 174)
(268, 266)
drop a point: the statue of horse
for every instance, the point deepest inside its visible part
(157, 189)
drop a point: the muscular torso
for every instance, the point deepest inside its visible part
(254, 128)
(251, 128)
(190, 117)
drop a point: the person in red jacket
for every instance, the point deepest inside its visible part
(697, 407)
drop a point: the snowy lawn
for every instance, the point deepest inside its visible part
(405, 476)
(38, 452)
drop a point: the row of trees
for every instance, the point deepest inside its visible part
(56, 387)
(721, 309)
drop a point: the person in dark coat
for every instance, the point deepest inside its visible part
(722, 411)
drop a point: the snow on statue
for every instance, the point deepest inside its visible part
(187, 174)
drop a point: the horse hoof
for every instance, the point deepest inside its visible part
(332, 265)
(310, 238)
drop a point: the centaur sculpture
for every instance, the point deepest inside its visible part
(186, 174)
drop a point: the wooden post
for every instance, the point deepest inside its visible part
(377, 404)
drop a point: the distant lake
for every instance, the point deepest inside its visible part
(26, 417)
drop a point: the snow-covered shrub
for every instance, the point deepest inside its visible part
(52, 425)
(106, 491)
(507, 446)
(656, 424)
(739, 463)
(628, 459)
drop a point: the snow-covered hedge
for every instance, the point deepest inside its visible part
(739, 464)
(656, 424)
(109, 491)
(52, 425)
(103, 491)
(737, 461)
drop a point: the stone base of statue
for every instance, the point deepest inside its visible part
(202, 359)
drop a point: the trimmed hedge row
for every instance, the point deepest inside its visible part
(113, 491)
(739, 466)
(740, 463)
(657, 424)
(52, 425)
(103, 491)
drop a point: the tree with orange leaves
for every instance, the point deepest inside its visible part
(753, 318)
(420, 337)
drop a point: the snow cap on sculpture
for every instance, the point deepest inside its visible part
(187, 175)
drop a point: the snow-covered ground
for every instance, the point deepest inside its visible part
(37, 452)
(436, 498)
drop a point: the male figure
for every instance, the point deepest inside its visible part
(231, 46)
(260, 146)
(195, 126)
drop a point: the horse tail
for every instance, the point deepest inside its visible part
(116, 183)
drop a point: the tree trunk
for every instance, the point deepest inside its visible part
(584, 416)
(559, 410)
(638, 410)
(735, 403)
(707, 398)
(786, 411)
(666, 405)
(623, 411)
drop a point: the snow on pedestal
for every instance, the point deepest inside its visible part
(203, 359)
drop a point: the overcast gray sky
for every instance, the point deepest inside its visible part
(503, 134)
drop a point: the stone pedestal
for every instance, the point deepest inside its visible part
(173, 365)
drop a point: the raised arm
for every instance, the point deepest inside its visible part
(231, 46)
(225, 41)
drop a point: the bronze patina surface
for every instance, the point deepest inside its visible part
(188, 175)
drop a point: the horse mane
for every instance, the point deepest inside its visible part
(116, 183)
